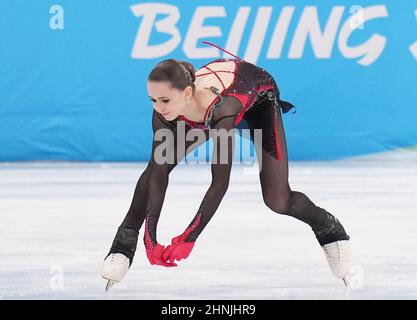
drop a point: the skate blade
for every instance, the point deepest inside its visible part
(345, 282)
(109, 285)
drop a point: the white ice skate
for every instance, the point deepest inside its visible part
(339, 257)
(114, 268)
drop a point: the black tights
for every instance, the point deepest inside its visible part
(276, 190)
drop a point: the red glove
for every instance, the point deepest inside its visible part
(178, 249)
(154, 254)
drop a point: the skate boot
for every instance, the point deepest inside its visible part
(114, 268)
(120, 257)
(335, 243)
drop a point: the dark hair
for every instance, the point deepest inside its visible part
(179, 74)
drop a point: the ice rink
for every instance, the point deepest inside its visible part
(57, 222)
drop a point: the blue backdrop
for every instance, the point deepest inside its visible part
(73, 73)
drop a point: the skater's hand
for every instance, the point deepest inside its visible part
(178, 249)
(154, 255)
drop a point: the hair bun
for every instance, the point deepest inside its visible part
(190, 69)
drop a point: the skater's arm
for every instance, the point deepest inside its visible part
(223, 135)
(157, 186)
(223, 149)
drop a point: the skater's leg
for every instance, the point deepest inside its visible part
(276, 191)
(126, 238)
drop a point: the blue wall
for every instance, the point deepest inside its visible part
(73, 78)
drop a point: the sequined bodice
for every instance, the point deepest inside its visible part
(250, 83)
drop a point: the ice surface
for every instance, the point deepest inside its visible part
(57, 222)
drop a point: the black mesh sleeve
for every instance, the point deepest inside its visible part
(223, 134)
(162, 158)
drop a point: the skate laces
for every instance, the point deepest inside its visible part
(118, 258)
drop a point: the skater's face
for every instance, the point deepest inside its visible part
(168, 101)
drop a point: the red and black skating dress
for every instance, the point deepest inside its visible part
(255, 89)
(250, 85)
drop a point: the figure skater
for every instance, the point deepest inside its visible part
(223, 94)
